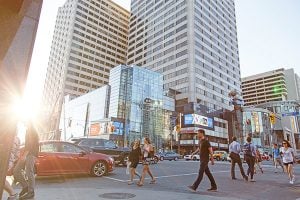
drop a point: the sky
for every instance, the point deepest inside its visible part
(268, 39)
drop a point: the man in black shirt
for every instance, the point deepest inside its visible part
(205, 150)
(26, 162)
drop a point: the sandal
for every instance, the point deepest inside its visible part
(139, 184)
(153, 181)
(130, 182)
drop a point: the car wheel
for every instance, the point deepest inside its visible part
(161, 158)
(194, 158)
(218, 158)
(99, 169)
(176, 158)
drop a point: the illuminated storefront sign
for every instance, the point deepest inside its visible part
(194, 119)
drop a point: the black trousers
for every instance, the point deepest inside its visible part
(235, 158)
(204, 169)
(251, 162)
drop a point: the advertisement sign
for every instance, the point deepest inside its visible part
(194, 119)
(95, 129)
(102, 128)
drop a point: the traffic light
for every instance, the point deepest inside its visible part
(178, 127)
(272, 118)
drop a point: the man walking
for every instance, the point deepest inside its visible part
(234, 150)
(250, 156)
(27, 162)
(205, 150)
(277, 157)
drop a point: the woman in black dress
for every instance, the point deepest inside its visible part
(134, 158)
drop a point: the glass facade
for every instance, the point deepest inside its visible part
(256, 124)
(137, 97)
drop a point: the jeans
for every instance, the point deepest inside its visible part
(27, 165)
(251, 162)
(204, 168)
(235, 158)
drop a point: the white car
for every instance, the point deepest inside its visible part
(190, 157)
(241, 156)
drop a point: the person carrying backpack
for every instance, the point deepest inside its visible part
(250, 157)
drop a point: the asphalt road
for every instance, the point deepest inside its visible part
(175, 176)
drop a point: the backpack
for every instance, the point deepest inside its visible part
(247, 149)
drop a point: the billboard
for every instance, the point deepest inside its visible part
(102, 128)
(195, 119)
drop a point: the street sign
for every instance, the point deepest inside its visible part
(290, 114)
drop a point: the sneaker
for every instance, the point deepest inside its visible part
(233, 178)
(23, 191)
(130, 182)
(212, 189)
(153, 181)
(28, 195)
(13, 197)
(191, 188)
(252, 180)
(246, 178)
(291, 182)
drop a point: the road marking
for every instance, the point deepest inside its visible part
(168, 176)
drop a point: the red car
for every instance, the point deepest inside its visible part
(59, 158)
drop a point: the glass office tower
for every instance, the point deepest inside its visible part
(137, 97)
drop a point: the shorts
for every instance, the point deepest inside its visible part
(289, 163)
(133, 164)
(146, 161)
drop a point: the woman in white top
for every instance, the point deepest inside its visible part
(147, 155)
(288, 159)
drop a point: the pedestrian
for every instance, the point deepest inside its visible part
(148, 153)
(288, 159)
(250, 156)
(277, 157)
(26, 162)
(258, 161)
(206, 153)
(14, 156)
(234, 150)
(134, 158)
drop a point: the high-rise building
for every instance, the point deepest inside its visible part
(275, 85)
(192, 43)
(90, 38)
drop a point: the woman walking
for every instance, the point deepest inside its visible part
(134, 158)
(258, 162)
(288, 158)
(148, 152)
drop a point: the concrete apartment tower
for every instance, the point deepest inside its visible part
(192, 43)
(90, 38)
(276, 85)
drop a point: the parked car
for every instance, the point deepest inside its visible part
(108, 147)
(297, 158)
(220, 155)
(190, 157)
(167, 156)
(60, 158)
